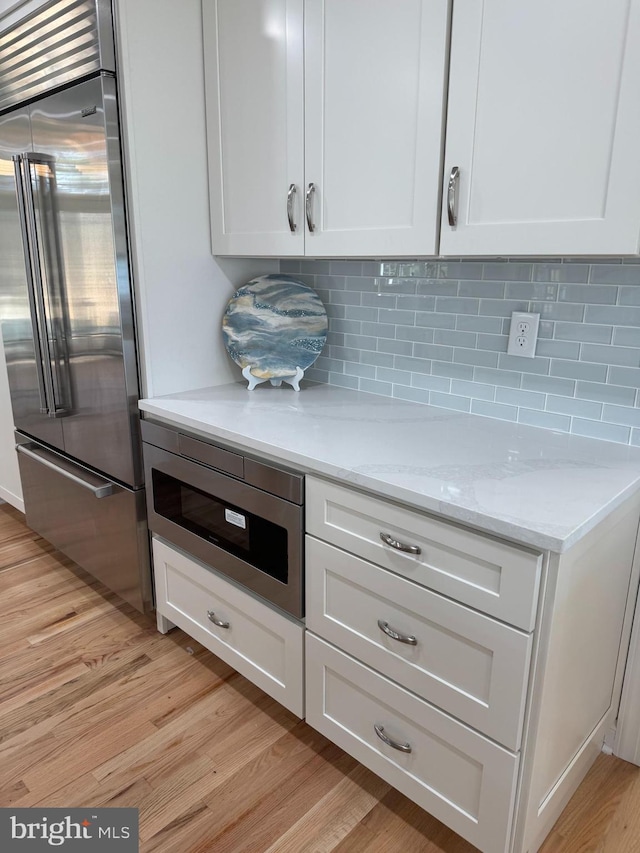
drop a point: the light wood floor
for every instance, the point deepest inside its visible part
(98, 709)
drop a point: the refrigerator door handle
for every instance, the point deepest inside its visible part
(48, 334)
(99, 487)
(33, 305)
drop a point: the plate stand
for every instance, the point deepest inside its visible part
(294, 381)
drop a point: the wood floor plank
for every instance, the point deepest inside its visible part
(99, 709)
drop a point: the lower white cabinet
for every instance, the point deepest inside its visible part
(456, 774)
(261, 643)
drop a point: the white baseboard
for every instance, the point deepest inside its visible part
(10, 498)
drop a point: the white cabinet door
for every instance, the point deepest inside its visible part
(255, 125)
(543, 123)
(374, 88)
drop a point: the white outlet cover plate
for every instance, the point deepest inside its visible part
(523, 334)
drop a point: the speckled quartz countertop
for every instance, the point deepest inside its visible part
(531, 485)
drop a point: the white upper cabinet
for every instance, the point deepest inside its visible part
(544, 126)
(325, 125)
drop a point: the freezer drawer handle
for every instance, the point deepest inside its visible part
(102, 491)
(399, 546)
(401, 638)
(211, 616)
(402, 747)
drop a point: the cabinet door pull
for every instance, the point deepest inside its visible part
(402, 747)
(452, 196)
(212, 618)
(399, 546)
(401, 638)
(291, 197)
(311, 189)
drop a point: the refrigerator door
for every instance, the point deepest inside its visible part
(18, 288)
(77, 193)
(99, 524)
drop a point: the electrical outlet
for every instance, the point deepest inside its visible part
(523, 334)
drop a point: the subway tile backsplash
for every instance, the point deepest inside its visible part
(436, 332)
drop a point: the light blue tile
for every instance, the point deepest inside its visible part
(431, 383)
(545, 328)
(455, 270)
(471, 323)
(414, 365)
(579, 370)
(557, 311)
(345, 354)
(473, 389)
(289, 267)
(352, 327)
(379, 359)
(361, 284)
(346, 267)
(616, 316)
(451, 370)
(344, 381)
(549, 385)
(374, 387)
(558, 349)
(622, 415)
(315, 267)
(397, 377)
(583, 332)
(610, 274)
(588, 293)
(371, 268)
(415, 303)
(528, 399)
(396, 347)
(398, 318)
(494, 410)
(532, 290)
(625, 376)
(359, 312)
(437, 287)
(344, 297)
(504, 378)
(393, 285)
(335, 365)
(606, 393)
(501, 307)
(574, 408)
(353, 368)
(379, 330)
(482, 289)
(596, 429)
(433, 351)
(495, 343)
(414, 395)
(335, 310)
(476, 357)
(379, 300)
(389, 268)
(524, 365)
(627, 356)
(457, 305)
(418, 269)
(629, 295)
(414, 333)
(335, 339)
(544, 419)
(435, 321)
(635, 437)
(455, 339)
(562, 273)
(627, 337)
(449, 401)
(361, 341)
(507, 272)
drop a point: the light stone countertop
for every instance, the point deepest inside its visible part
(531, 485)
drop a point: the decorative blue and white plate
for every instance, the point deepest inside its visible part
(274, 328)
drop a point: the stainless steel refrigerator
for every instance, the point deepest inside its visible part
(65, 293)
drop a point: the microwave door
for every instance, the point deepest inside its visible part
(22, 326)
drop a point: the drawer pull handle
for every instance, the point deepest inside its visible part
(401, 638)
(212, 618)
(399, 546)
(401, 747)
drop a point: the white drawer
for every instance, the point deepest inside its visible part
(469, 664)
(485, 573)
(460, 777)
(262, 644)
